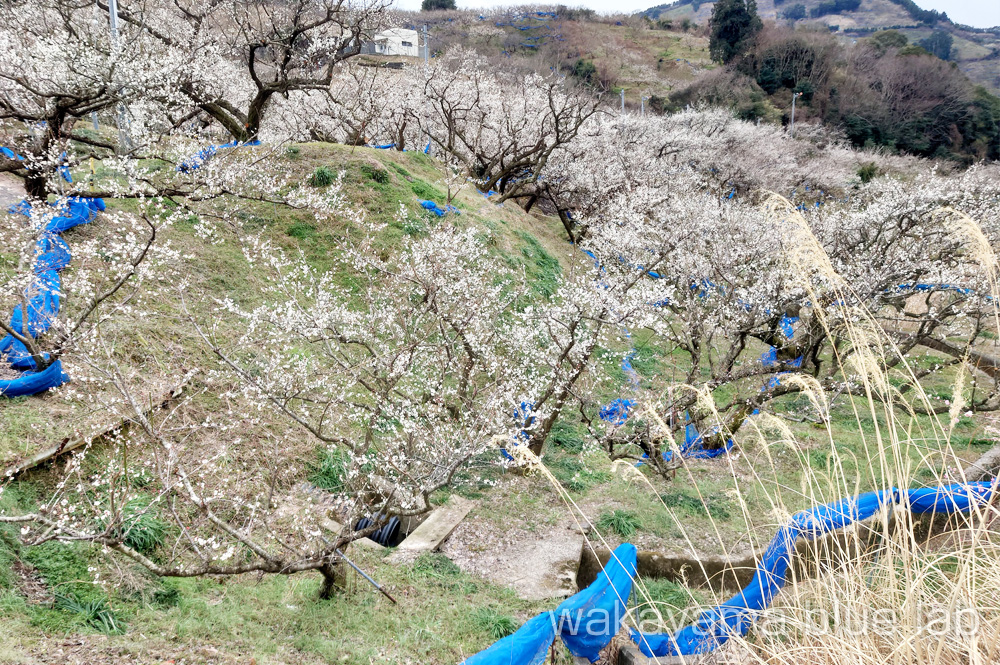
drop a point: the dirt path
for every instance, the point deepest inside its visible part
(538, 564)
(11, 190)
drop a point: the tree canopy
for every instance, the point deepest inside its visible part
(733, 25)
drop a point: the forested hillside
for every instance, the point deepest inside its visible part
(877, 87)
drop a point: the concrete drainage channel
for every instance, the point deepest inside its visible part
(723, 575)
(414, 536)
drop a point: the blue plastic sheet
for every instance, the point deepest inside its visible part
(528, 646)
(10, 154)
(52, 254)
(588, 620)
(734, 617)
(616, 412)
(32, 383)
(197, 160)
(432, 207)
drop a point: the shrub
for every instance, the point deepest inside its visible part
(586, 71)
(868, 172)
(322, 176)
(623, 522)
(381, 176)
(293, 151)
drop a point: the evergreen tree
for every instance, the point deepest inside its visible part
(433, 5)
(733, 26)
(939, 43)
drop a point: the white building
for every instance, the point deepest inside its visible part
(394, 41)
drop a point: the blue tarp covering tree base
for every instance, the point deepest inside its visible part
(42, 299)
(734, 617)
(32, 383)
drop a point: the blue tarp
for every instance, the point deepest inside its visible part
(528, 646)
(10, 154)
(734, 617)
(440, 212)
(616, 412)
(199, 158)
(32, 383)
(51, 255)
(589, 619)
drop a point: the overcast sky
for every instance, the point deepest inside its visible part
(978, 13)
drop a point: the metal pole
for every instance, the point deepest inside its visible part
(362, 573)
(642, 106)
(426, 74)
(124, 141)
(795, 95)
(623, 101)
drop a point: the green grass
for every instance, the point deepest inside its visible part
(712, 505)
(493, 622)
(93, 613)
(375, 174)
(322, 176)
(141, 529)
(623, 522)
(428, 192)
(543, 267)
(328, 471)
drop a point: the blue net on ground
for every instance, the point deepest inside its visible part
(694, 446)
(41, 299)
(51, 253)
(10, 154)
(589, 619)
(586, 622)
(433, 207)
(528, 646)
(197, 160)
(734, 617)
(616, 412)
(32, 383)
(77, 211)
(524, 417)
(64, 169)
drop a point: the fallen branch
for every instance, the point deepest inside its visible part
(68, 444)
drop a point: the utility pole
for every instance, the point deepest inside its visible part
(124, 140)
(426, 74)
(426, 49)
(795, 95)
